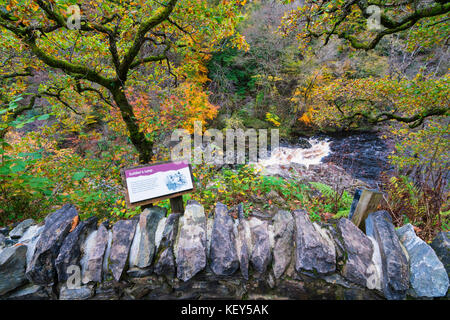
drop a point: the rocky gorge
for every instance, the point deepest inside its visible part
(192, 256)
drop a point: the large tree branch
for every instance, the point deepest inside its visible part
(155, 58)
(58, 97)
(70, 68)
(157, 18)
(390, 24)
(80, 89)
(25, 73)
(394, 26)
(413, 121)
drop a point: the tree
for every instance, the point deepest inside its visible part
(351, 20)
(361, 25)
(116, 46)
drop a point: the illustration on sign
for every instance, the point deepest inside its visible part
(145, 183)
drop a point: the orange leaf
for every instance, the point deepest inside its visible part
(75, 222)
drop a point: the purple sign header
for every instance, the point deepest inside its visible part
(147, 171)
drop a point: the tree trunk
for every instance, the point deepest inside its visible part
(142, 145)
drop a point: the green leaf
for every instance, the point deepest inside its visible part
(4, 170)
(19, 166)
(43, 117)
(78, 176)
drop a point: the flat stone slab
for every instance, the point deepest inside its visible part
(143, 246)
(41, 269)
(106, 273)
(30, 239)
(359, 248)
(4, 231)
(223, 254)
(260, 256)
(315, 251)
(12, 268)
(190, 251)
(394, 261)
(70, 251)
(243, 246)
(122, 236)
(165, 259)
(31, 292)
(20, 229)
(81, 293)
(283, 225)
(2, 241)
(441, 245)
(427, 273)
(94, 252)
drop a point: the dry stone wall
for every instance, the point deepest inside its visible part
(160, 256)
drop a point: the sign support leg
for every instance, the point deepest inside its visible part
(177, 204)
(147, 206)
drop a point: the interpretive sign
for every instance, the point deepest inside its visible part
(151, 183)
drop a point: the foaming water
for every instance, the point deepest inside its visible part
(287, 155)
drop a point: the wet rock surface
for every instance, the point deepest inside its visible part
(365, 155)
